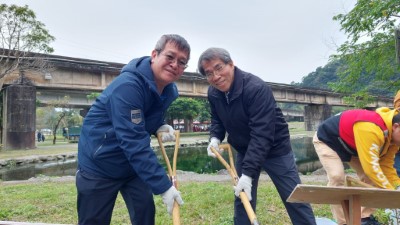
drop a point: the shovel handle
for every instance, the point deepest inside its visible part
(172, 173)
(247, 206)
(232, 171)
(164, 154)
(177, 136)
(175, 214)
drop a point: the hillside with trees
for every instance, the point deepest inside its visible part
(327, 77)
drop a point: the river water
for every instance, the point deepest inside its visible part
(193, 159)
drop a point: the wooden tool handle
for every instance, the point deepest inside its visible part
(172, 173)
(232, 171)
(175, 214)
(164, 154)
(247, 206)
(177, 136)
(228, 168)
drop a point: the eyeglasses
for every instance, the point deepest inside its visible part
(217, 70)
(182, 64)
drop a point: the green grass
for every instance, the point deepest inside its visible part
(43, 148)
(205, 203)
(297, 128)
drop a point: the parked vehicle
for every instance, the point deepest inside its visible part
(72, 133)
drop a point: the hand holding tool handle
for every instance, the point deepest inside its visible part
(172, 172)
(232, 171)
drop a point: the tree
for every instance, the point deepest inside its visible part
(22, 40)
(205, 111)
(184, 108)
(321, 77)
(60, 114)
(369, 54)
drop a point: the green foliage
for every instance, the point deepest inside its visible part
(205, 111)
(20, 35)
(184, 108)
(21, 31)
(92, 96)
(321, 76)
(382, 216)
(367, 16)
(369, 55)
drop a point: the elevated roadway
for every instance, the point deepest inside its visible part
(75, 79)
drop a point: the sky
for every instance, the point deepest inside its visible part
(279, 41)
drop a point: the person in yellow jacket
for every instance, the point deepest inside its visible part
(367, 141)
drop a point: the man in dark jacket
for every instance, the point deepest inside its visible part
(114, 152)
(242, 105)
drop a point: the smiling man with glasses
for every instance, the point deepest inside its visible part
(114, 152)
(242, 106)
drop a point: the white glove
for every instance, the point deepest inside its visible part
(398, 188)
(214, 142)
(244, 184)
(169, 197)
(167, 133)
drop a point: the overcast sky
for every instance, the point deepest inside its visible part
(279, 41)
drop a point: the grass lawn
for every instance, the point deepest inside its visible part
(205, 203)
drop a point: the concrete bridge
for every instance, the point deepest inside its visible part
(77, 78)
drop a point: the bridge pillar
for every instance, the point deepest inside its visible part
(19, 117)
(314, 115)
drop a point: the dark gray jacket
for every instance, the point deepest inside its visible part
(255, 125)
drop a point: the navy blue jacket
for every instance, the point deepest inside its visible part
(115, 136)
(255, 125)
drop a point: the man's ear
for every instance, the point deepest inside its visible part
(153, 55)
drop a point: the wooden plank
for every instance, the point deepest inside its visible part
(369, 197)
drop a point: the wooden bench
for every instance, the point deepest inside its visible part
(351, 198)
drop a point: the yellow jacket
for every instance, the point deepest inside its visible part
(375, 152)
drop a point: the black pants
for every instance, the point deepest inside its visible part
(283, 173)
(96, 199)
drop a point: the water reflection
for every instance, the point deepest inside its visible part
(56, 168)
(194, 159)
(306, 157)
(189, 159)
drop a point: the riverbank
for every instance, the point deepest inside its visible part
(62, 150)
(62, 146)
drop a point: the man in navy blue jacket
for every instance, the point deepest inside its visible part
(114, 152)
(242, 105)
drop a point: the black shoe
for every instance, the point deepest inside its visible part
(369, 221)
